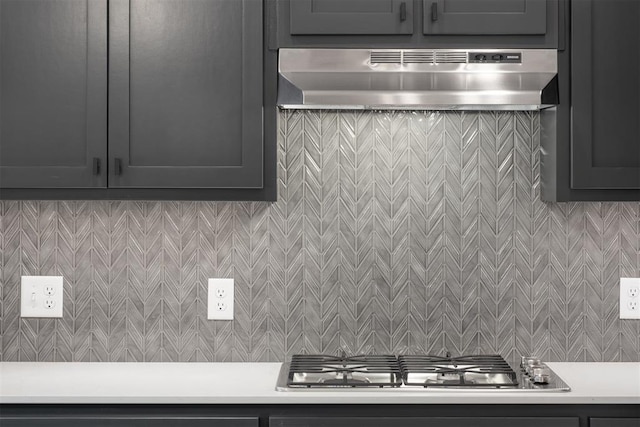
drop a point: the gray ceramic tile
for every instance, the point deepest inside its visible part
(393, 232)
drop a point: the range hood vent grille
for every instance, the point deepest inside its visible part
(417, 57)
(451, 57)
(386, 57)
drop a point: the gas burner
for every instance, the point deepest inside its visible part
(462, 371)
(343, 371)
(415, 372)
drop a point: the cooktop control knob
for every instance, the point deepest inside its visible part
(481, 57)
(540, 374)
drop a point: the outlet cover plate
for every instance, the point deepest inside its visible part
(34, 299)
(214, 301)
(626, 285)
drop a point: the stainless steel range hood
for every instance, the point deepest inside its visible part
(418, 79)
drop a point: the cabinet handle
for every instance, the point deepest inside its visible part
(96, 166)
(434, 12)
(117, 166)
(403, 12)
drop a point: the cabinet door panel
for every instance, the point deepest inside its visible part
(53, 81)
(129, 422)
(486, 17)
(605, 94)
(186, 94)
(351, 17)
(423, 422)
(614, 422)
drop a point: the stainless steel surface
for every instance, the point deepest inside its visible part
(336, 378)
(525, 384)
(479, 370)
(471, 378)
(414, 79)
(344, 371)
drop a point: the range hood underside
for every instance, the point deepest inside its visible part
(415, 100)
(346, 79)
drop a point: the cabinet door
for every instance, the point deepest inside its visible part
(614, 422)
(129, 422)
(53, 85)
(486, 17)
(423, 422)
(185, 93)
(605, 92)
(351, 17)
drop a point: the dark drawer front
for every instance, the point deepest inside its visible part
(614, 422)
(423, 422)
(128, 422)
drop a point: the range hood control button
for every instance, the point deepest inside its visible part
(496, 57)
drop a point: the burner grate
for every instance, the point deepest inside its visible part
(343, 371)
(490, 371)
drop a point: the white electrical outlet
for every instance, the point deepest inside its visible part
(220, 299)
(41, 296)
(630, 298)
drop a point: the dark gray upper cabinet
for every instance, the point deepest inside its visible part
(414, 24)
(136, 99)
(605, 91)
(351, 17)
(185, 94)
(485, 17)
(53, 81)
(590, 142)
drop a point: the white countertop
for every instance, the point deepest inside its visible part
(254, 383)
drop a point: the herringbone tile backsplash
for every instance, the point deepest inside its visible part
(393, 232)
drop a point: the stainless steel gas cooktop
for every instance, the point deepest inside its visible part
(415, 372)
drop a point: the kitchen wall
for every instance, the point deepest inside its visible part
(393, 232)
